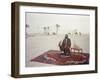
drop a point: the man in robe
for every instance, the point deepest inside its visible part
(65, 46)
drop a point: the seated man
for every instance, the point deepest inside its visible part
(65, 46)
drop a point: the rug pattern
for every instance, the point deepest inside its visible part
(55, 57)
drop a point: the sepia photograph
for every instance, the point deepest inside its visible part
(53, 39)
(56, 39)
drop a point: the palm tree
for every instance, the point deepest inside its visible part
(44, 29)
(57, 27)
(80, 33)
(48, 30)
(27, 26)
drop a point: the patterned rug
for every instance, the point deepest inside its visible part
(55, 57)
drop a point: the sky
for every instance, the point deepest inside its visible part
(67, 22)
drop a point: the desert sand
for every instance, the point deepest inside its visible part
(38, 44)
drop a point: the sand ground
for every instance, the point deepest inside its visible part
(36, 45)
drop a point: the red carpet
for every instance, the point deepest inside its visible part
(55, 57)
